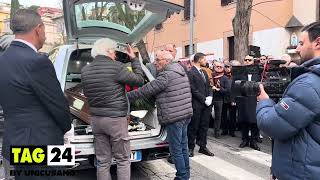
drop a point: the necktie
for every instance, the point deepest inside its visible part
(202, 74)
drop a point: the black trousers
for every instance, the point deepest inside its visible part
(198, 127)
(245, 127)
(217, 114)
(229, 117)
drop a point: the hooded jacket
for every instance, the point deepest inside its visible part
(172, 91)
(294, 124)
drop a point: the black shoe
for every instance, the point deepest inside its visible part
(224, 132)
(232, 134)
(205, 151)
(244, 143)
(259, 140)
(254, 145)
(169, 159)
(191, 153)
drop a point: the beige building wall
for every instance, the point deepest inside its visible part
(4, 14)
(306, 11)
(53, 36)
(213, 26)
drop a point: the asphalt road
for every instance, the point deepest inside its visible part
(229, 162)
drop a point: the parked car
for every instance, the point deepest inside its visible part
(86, 21)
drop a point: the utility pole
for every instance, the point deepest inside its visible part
(191, 27)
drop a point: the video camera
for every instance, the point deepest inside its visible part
(274, 78)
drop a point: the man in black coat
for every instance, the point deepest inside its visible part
(246, 112)
(35, 109)
(201, 104)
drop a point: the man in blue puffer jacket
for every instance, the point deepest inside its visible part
(294, 122)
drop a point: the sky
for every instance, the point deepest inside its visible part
(43, 3)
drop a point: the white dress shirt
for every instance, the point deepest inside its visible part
(28, 44)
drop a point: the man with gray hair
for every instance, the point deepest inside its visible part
(35, 109)
(172, 91)
(168, 47)
(104, 85)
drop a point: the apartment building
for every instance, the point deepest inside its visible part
(274, 27)
(4, 14)
(53, 33)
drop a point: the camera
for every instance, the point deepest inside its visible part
(246, 79)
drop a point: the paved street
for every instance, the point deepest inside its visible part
(229, 162)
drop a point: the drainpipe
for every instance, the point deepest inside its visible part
(191, 26)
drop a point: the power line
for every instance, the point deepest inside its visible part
(267, 17)
(265, 2)
(258, 3)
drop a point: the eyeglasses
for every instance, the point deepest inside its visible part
(227, 66)
(248, 60)
(158, 60)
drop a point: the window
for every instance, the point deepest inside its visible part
(159, 27)
(187, 9)
(231, 47)
(318, 10)
(227, 2)
(186, 50)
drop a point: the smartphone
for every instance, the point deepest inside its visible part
(121, 47)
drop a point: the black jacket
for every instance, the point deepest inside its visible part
(225, 87)
(247, 104)
(199, 88)
(104, 85)
(35, 109)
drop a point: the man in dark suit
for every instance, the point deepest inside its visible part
(246, 111)
(201, 104)
(35, 109)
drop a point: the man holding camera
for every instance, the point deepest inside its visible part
(246, 112)
(294, 122)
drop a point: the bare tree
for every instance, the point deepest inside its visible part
(241, 24)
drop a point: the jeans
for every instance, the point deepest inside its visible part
(178, 143)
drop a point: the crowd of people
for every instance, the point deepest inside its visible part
(226, 114)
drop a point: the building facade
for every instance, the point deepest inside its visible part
(274, 27)
(53, 31)
(4, 14)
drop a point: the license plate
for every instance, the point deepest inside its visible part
(135, 156)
